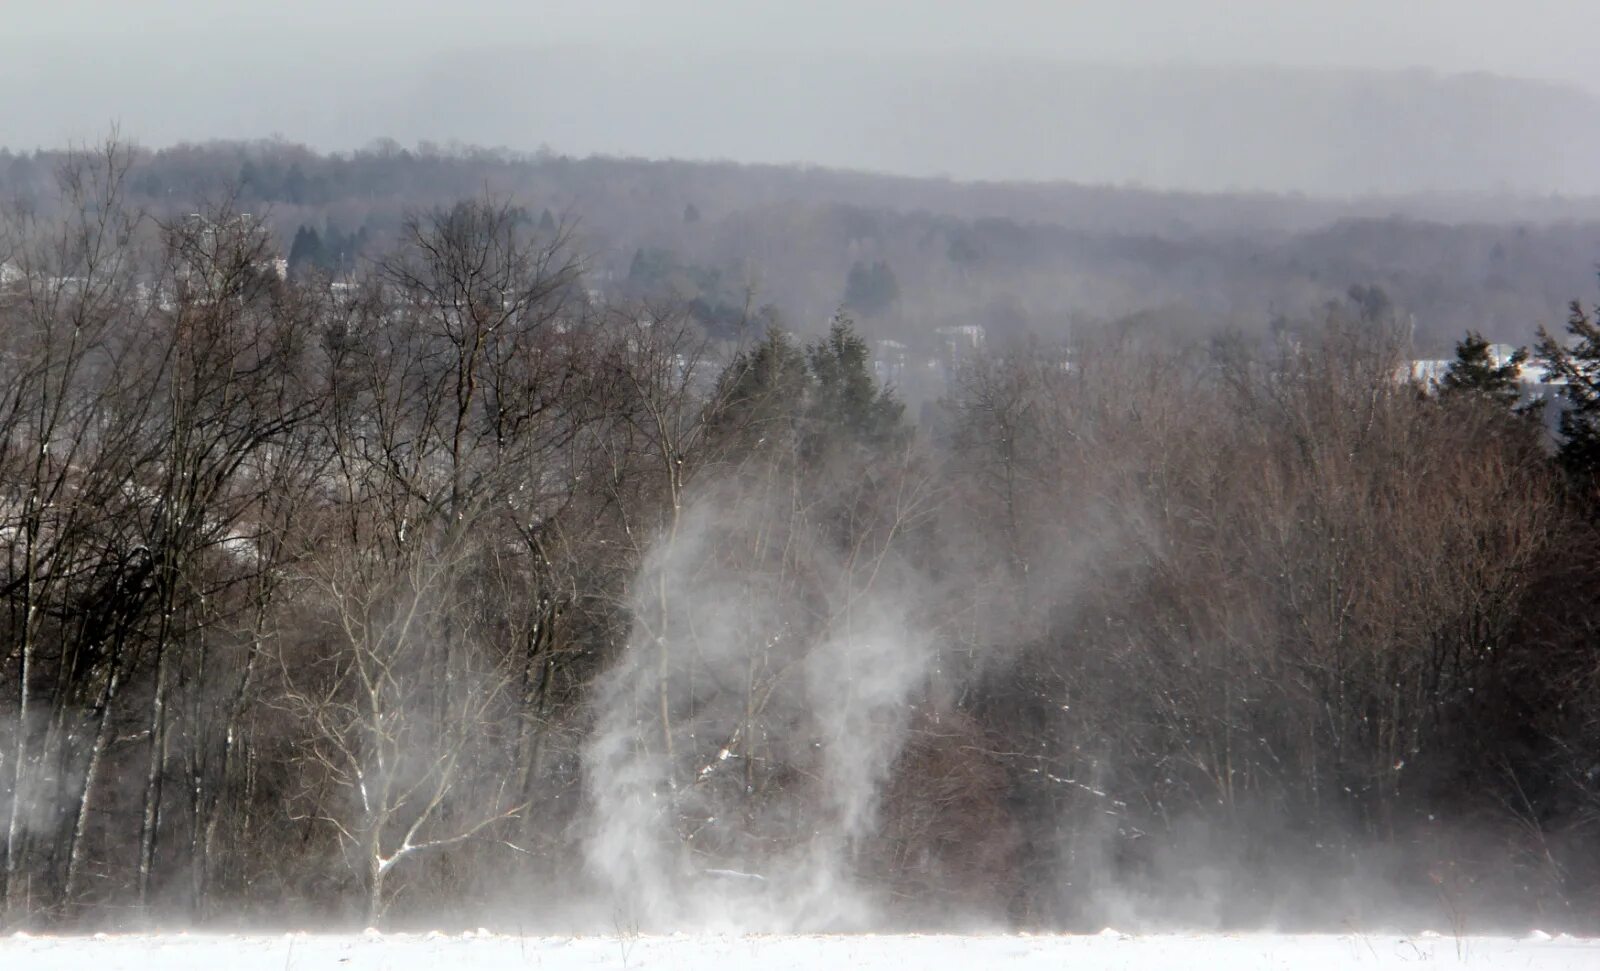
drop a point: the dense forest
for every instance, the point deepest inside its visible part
(475, 567)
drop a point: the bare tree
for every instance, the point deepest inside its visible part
(402, 780)
(70, 416)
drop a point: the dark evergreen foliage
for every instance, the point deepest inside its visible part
(871, 289)
(1475, 372)
(1574, 362)
(847, 398)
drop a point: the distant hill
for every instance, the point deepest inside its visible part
(1019, 259)
(1205, 129)
(1319, 132)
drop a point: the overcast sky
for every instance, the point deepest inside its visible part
(338, 73)
(1533, 38)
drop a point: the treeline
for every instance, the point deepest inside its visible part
(910, 255)
(415, 599)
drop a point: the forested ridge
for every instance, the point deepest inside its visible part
(458, 582)
(1019, 259)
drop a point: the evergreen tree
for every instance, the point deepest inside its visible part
(306, 253)
(817, 400)
(1475, 373)
(762, 394)
(847, 398)
(871, 290)
(1575, 364)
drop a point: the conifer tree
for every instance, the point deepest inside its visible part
(306, 252)
(848, 398)
(1475, 373)
(762, 394)
(871, 290)
(1575, 364)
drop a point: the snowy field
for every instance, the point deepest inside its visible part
(438, 952)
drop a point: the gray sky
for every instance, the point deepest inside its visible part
(1532, 38)
(676, 77)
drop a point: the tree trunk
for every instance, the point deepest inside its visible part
(151, 818)
(80, 825)
(20, 757)
(230, 751)
(375, 875)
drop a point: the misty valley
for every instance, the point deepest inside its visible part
(385, 552)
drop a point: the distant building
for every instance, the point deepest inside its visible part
(1427, 372)
(955, 346)
(889, 360)
(963, 340)
(1430, 372)
(208, 246)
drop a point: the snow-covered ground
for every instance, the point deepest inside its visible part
(482, 950)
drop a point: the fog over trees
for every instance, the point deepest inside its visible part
(417, 536)
(911, 257)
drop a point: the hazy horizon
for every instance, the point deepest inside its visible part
(1018, 91)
